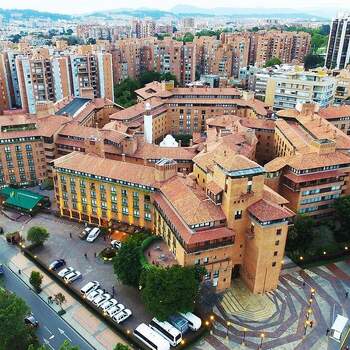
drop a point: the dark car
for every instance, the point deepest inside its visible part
(31, 321)
(55, 265)
(83, 234)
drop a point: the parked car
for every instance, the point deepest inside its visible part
(75, 275)
(115, 310)
(83, 234)
(56, 264)
(122, 316)
(94, 294)
(31, 321)
(89, 287)
(116, 244)
(93, 234)
(65, 271)
(108, 304)
(101, 299)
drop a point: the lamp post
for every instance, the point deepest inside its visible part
(262, 336)
(212, 319)
(305, 326)
(228, 324)
(244, 333)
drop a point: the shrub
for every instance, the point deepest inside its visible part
(37, 235)
(36, 279)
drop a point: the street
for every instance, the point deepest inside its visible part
(53, 330)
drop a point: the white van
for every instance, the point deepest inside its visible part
(93, 234)
(194, 322)
(89, 287)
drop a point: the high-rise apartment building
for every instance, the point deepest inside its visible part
(4, 88)
(338, 51)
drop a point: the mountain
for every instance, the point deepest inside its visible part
(27, 14)
(246, 12)
(139, 13)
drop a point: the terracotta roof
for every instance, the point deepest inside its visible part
(75, 129)
(335, 112)
(51, 124)
(190, 203)
(271, 196)
(276, 164)
(214, 188)
(311, 177)
(264, 211)
(190, 236)
(256, 123)
(152, 151)
(235, 162)
(118, 170)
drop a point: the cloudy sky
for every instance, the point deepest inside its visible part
(84, 6)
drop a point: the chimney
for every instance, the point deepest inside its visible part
(148, 124)
(205, 148)
(191, 142)
(123, 157)
(180, 143)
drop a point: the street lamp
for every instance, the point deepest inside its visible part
(305, 327)
(262, 336)
(244, 333)
(228, 324)
(212, 323)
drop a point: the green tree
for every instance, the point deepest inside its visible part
(120, 346)
(37, 235)
(188, 37)
(273, 62)
(170, 290)
(300, 235)
(36, 279)
(149, 76)
(59, 299)
(68, 346)
(41, 347)
(127, 264)
(124, 92)
(14, 334)
(342, 213)
(313, 61)
(169, 76)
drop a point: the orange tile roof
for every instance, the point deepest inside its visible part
(214, 188)
(118, 170)
(264, 211)
(335, 112)
(190, 203)
(75, 129)
(315, 176)
(271, 196)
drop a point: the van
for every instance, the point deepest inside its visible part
(89, 287)
(194, 322)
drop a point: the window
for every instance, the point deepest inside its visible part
(206, 260)
(277, 243)
(238, 214)
(279, 232)
(207, 276)
(274, 264)
(125, 211)
(197, 261)
(275, 253)
(216, 274)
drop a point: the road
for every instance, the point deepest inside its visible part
(53, 330)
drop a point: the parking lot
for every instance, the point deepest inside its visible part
(64, 243)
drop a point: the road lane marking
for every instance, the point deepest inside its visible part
(47, 329)
(63, 333)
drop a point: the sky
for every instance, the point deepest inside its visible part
(86, 6)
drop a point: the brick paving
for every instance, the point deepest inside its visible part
(283, 328)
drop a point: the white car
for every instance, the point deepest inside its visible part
(89, 287)
(94, 294)
(122, 316)
(101, 299)
(65, 271)
(73, 276)
(116, 244)
(93, 234)
(115, 310)
(108, 304)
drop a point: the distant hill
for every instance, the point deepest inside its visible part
(246, 12)
(139, 13)
(14, 13)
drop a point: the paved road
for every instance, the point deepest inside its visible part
(53, 330)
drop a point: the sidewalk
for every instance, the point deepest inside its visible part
(90, 327)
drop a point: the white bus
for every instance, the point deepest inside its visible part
(167, 331)
(149, 337)
(194, 322)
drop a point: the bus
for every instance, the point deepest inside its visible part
(194, 322)
(167, 331)
(150, 338)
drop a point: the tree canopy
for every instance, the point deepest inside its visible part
(127, 265)
(14, 334)
(124, 92)
(301, 234)
(273, 62)
(36, 279)
(342, 213)
(313, 61)
(170, 290)
(120, 346)
(37, 235)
